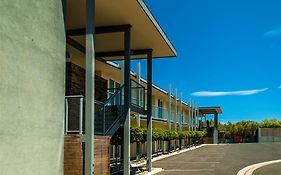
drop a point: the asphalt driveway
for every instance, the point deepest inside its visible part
(219, 159)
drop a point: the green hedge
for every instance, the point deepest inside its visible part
(246, 128)
(138, 134)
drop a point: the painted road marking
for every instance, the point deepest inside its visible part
(190, 170)
(183, 162)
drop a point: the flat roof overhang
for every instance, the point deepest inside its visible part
(146, 33)
(210, 110)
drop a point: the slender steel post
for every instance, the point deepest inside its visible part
(66, 116)
(81, 116)
(175, 109)
(169, 106)
(90, 86)
(198, 115)
(127, 101)
(194, 117)
(191, 117)
(139, 90)
(138, 73)
(189, 114)
(181, 112)
(149, 111)
(215, 128)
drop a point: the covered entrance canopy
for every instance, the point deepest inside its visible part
(146, 33)
(209, 110)
(215, 111)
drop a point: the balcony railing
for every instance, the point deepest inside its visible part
(74, 112)
(137, 94)
(185, 119)
(159, 113)
(162, 113)
(179, 118)
(106, 112)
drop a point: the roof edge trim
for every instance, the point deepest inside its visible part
(157, 26)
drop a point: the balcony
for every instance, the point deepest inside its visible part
(159, 113)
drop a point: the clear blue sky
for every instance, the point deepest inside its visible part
(231, 50)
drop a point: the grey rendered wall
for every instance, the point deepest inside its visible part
(31, 87)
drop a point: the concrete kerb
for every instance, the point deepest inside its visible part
(157, 170)
(250, 169)
(153, 171)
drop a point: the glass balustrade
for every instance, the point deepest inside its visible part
(137, 94)
(159, 113)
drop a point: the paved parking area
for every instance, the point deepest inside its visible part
(219, 159)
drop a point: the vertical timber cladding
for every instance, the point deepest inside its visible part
(73, 155)
(32, 68)
(75, 82)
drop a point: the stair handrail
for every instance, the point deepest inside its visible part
(114, 94)
(118, 91)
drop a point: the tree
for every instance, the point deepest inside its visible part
(212, 122)
(270, 123)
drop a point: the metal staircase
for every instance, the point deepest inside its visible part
(109, 113)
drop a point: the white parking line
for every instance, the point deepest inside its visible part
(190, 170)
(184, 162)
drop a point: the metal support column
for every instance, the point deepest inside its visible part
(127, 101)
(181, 112)
(215, 129)
(192, 115)
(139, 90)
(90, 87)
(195, 116)
(198, 115)
(66, 116)
(175, 109)
(169, 106)
(81, 115)
(189, 114)
(138, 73)
(149, 111)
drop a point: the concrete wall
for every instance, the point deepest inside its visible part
(32, 63)
(269, 135)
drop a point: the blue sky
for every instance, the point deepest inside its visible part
(229, 54)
